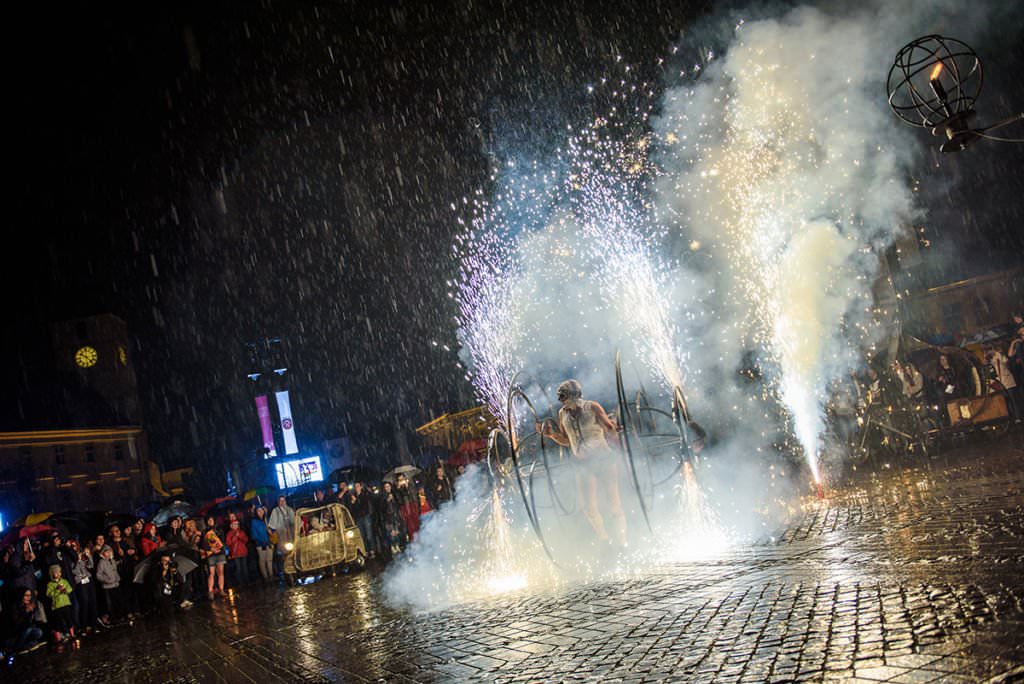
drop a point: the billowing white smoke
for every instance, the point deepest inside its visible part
(781, 161)
(470, 548)
(782, 177)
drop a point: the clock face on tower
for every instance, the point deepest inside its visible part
(86, 357)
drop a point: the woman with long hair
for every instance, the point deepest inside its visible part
(212, 548)
(264, 549)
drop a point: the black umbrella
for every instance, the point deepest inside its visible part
(175, 509)
(354, 473)
(119, 519)
(80, 524)
(186, 559)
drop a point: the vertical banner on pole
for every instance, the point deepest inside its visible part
(263, 411)
(284, 409)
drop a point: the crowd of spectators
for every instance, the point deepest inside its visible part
(931, 389)
(61, 589)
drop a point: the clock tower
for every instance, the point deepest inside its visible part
(97, 350)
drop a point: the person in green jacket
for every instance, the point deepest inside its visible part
(58, 590)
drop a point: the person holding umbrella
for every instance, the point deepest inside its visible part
(23, 574)
(409, 501)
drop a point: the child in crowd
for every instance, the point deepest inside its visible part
(58, 591)
(109, 580)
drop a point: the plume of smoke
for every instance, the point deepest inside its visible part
(781, 162)
(475, 546)
(781, 176)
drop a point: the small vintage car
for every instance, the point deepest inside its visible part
(325, 539)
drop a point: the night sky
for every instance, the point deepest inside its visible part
(216, 172)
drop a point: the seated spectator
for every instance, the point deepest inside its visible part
(911, 381)
(28, 619)
(948, 381)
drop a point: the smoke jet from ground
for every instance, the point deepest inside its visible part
(730, 243)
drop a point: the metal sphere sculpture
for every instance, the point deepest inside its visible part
(934, 83)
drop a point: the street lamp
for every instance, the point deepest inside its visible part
(934, 83)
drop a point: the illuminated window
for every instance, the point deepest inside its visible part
(298, 471)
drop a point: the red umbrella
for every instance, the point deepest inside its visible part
(470, 451)
(25, 532)
(220, 503)
(35, 530)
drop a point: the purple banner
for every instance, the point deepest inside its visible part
(263, 411)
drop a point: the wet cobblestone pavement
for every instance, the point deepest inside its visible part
(913, 575)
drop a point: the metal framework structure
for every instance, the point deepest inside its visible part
(934, 83)
(645, 432)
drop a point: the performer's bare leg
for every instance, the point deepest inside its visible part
(587, 485)
(614, 504)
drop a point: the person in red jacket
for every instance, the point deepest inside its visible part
(238, 552)
(150, 540)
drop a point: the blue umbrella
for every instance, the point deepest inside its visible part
(147, 510)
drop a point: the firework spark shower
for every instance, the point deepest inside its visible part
(740, 211)
(786, 167)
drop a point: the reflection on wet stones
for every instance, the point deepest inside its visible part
(914, 575)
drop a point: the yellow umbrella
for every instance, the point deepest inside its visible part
(256, 492)
(36, 518)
